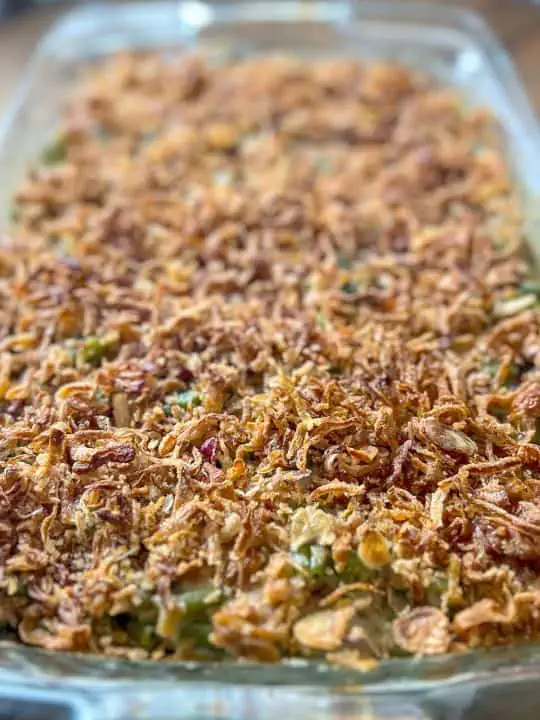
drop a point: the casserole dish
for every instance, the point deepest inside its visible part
(459, 52)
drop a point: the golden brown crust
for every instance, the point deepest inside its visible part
(269, 375)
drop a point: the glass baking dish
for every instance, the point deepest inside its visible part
(456, 48)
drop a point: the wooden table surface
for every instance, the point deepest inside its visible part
(517, 23)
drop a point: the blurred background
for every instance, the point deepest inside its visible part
(516, 22)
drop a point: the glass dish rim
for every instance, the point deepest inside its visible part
(390, 676)
(465, 20)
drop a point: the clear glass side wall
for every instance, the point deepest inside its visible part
(455, 46)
